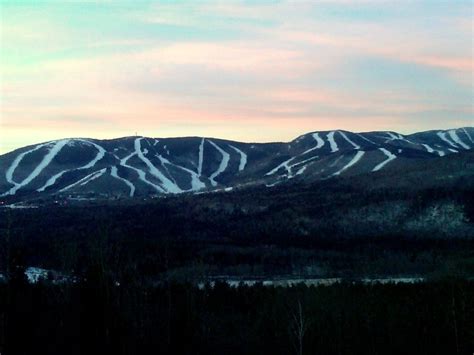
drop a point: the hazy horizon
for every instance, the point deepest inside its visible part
(247, 71)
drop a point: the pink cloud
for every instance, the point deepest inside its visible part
(378, 40)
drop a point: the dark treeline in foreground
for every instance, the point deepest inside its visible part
(98, 316)
(340, 228)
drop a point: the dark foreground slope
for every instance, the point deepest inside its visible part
(100, 317)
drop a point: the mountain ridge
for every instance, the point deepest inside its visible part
(138, 166)
(243, 142)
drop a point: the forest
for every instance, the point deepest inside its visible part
(134, 277)
(328, 229)
(98, 315)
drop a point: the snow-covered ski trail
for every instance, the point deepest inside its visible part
(53, 151)
(100, 154)
(366, 139)
(196, 183)
(201, 157)
(393, 136)
(457, 140)
(397, 136)
(141, 173)
(353, 161)
(356, 146)
(443, 137)
(114, 173)
(467, 134)
(304, 161)
(332, 142)
(319, 143)
(301, 170)
(85, 180)
(243, 157)
(165, 167)
(429, 149)
(11, 169)
(390, 157)
(285, 165)
(167, 184)
(222, 165)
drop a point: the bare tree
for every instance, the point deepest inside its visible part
(298, 327)
(455, 319)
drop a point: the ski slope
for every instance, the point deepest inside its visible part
(356, 146)
(443, 137)
(390, 157)
(196, 183)
(243, 158)
(223, 164)
(100, 154)
(332, 142)
(357, 157)
(166, 184)
(455, 138)
(131, 186)
(53, 151)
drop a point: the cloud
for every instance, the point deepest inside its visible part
(269, 71)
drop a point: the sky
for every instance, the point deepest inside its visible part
(254, 71)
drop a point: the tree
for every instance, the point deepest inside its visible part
(298, 327)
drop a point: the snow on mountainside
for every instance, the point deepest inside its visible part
(139, 166)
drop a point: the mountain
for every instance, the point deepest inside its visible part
(141, 166)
